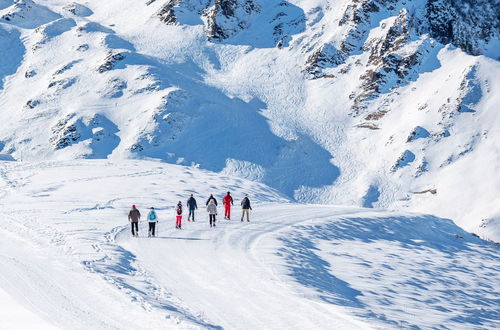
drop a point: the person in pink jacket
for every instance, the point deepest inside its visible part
(178, 215)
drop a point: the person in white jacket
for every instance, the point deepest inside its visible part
(212, 212)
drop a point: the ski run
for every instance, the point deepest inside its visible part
(68, 259)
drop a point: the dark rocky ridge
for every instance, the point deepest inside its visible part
(467, 24)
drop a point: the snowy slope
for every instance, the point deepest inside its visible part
(363, 103)
(384, 104)
(68, 259)
(359, 103)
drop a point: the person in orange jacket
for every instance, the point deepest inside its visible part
(227, 201)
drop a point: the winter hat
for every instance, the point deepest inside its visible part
(152, 208)
(133, 206)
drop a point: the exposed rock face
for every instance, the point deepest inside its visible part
(406, 158)
(96, 131)
(357, 17)
(223, 18)
(464, 23)
(167, 13)
(467, 24)
(64, 133)
(417, 133)
(111, 60)
(327, 56)
(226, 17)
(386, 64)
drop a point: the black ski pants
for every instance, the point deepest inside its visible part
(212, 219)
(152, 227)
(191, 214)
(135, 228)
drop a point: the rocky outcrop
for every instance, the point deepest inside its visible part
(167, 13)
(223, 19)
(227, 17)
(405, 159)
(95, 130)
(357, 17)
(27, 14)
(64, 133)
(325, 57)
(111, 60)
(468, 24)
(385, 63)
(417, 133)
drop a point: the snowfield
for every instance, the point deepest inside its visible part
(68, 260)
(371, 103)
(339, 118)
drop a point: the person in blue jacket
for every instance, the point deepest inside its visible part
(152, 220)
(245, 206)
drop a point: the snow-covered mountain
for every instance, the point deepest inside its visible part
(375, 103)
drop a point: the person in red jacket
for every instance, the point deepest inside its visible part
(227, 201)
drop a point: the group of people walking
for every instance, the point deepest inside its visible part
(134, 215)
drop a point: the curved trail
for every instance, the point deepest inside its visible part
(230, 273)
(67, 257)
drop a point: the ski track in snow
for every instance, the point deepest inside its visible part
(319, 247)
(242, 292)
(69, 258)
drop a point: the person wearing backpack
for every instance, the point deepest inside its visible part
(133, 217)
(191, 203)
(178, 215)
(152, 221)
(212, 212)
(211, 198)
(227, 201)
(245, 208)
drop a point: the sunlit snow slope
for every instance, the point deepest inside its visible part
(68, 260)
(374, 103)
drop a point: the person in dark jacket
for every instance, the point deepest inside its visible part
(133, 217)
(211, 198)
(191, 203)
(246, 207)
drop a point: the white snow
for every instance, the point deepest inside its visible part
(246, 107)
(16, 316)
(103, 106)
(69, 259)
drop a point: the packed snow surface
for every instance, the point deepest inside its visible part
(69, 261)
